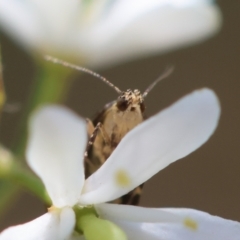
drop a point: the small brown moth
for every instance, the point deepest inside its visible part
(109, 127)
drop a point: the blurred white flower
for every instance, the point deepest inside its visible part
(55, 152)
(105, 32)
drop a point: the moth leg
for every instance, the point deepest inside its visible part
(92, 138)
(104, 134)
(93, 163)
(89, 165)
(93, 132)
(90, 127)
(90, 130)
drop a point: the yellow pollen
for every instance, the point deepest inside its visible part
(53, 209)
(122, 178)
(190, 223)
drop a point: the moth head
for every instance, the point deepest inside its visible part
(131, 101)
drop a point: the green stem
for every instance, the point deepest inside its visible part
(14, 172)
(50, 86)
(9, 193)
(2, 90)
(22, 177)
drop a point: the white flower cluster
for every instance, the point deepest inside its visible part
(55, 152)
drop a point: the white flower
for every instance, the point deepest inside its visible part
(55, 152)
(104, 32)
(169, 223)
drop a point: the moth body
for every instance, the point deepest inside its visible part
(113, 123)
(117, 120)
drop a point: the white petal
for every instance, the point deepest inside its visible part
(59, 22)
(166, 137)
(150, 27)
(56, 145)
(54, 225)
(42, 25)
(134, 214)
(67, 221)
(169, 224)
(17, 19)
(70, 27)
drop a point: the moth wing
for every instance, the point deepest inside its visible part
(101, 115)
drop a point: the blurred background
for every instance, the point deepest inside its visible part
(209, 178)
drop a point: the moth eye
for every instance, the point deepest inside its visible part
(122, 104)
(142, 107)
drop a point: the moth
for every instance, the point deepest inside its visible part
(110, 125)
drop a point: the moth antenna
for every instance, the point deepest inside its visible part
(82, 69)
(164, 75)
